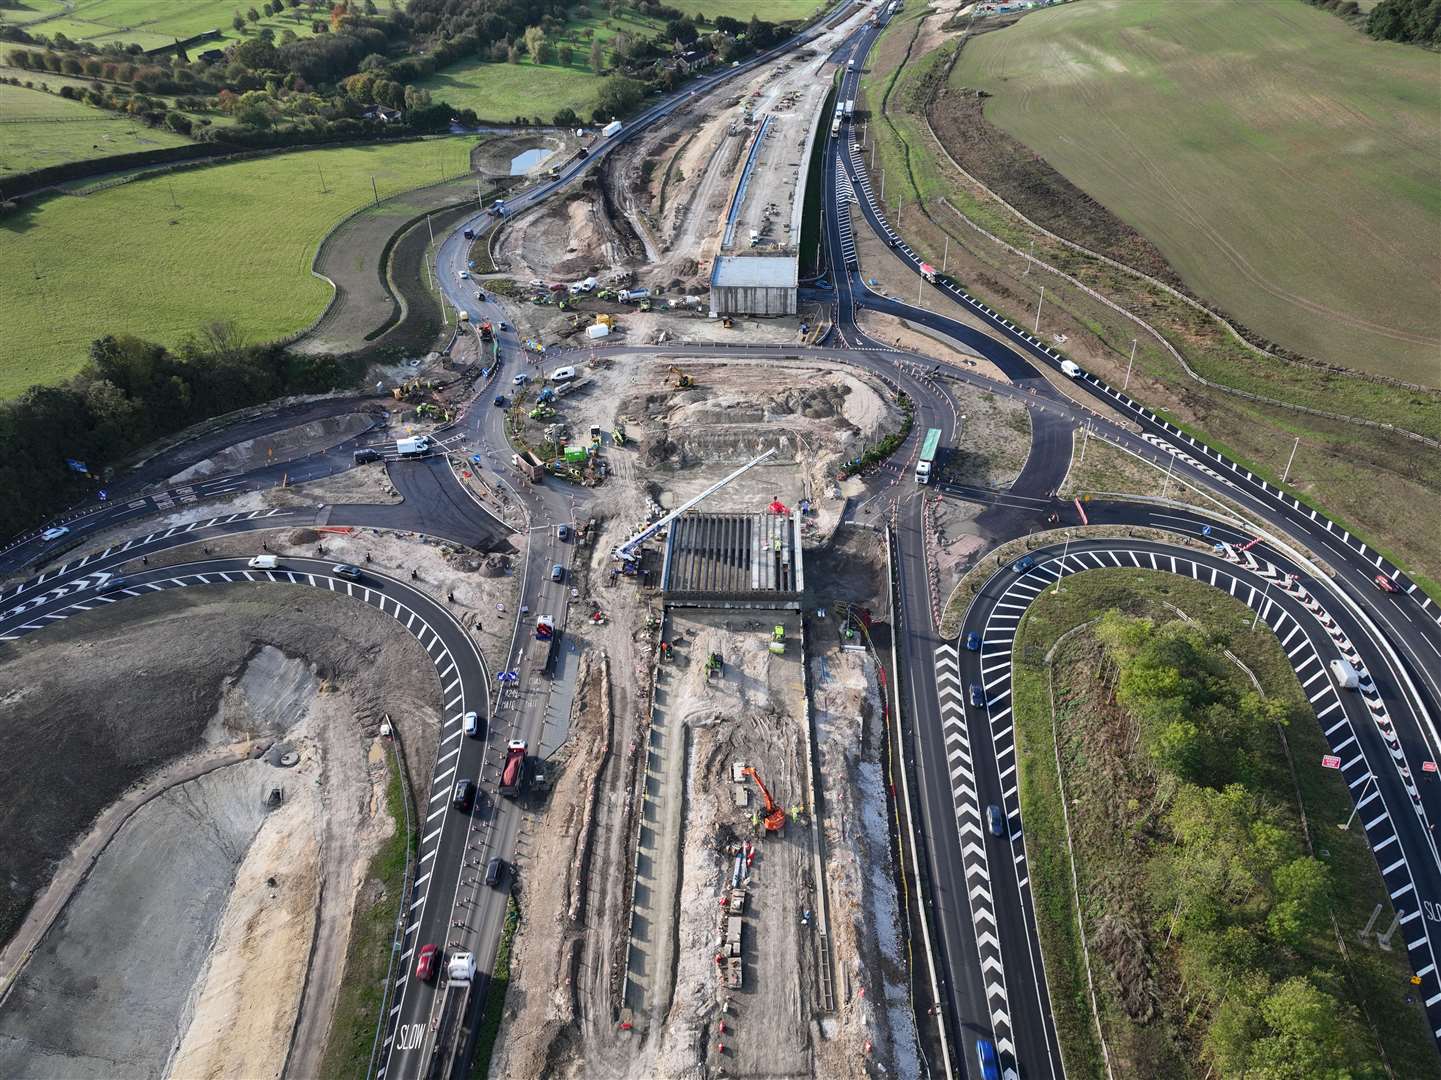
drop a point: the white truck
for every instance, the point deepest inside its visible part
(412, 447)
(581, 287)
(850, 109)
(613, 128)
(630, 296)
(1071, 368)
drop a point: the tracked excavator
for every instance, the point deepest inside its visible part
(775, 819)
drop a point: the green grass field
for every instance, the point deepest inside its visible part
(1285, 164)
(40, 129)
(505, 91)
(770, 10)
(149, 23)
(235, 243)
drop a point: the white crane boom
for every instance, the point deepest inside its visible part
(629, 550)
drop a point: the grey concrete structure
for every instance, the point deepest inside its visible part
(753, 285)
(734, 560)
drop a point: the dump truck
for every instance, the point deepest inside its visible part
(487, 332)
(928, 271)
(528, 463)
(512, 773)
(630, 296)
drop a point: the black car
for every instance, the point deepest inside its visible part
(500, 401)
(493, 871)
(345, 570)
(464, 797)
(364, 457)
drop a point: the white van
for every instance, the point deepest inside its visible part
(564, 374)
(1346, 677)
(1071, 368)
(264, 562)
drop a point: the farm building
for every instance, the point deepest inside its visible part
(753, 285)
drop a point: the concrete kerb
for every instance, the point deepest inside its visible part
(823, 925)
(899, 749)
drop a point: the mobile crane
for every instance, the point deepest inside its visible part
(775, 819)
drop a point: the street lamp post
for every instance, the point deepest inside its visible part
(1285, 475)
(1370, 779)
(1128, 365)
(1039, 302)
(1060, 573)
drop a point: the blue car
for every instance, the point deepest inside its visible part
(1025, 563)
(973, 641)
(978, 696)
(986, 1056)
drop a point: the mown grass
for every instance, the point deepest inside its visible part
(357, 1006)
(151, 23)
(163, 256)
(43, 129)
(1338, 466)
(1376, 979)
(1282, 162)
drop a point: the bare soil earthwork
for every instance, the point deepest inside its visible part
(209, 889)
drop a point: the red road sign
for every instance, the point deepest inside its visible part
(1330, 761)
(1428, 766)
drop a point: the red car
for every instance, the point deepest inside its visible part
(425, 965)
(1385, 584)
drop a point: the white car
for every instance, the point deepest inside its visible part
(465, 275)
(55, 533)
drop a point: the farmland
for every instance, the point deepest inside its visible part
(161, 257)
(148, 23)
(1284, 164)
(45, 129)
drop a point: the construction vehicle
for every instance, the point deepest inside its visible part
(595, 434)
(542, 412)
(528, 463)
(775, 819)
(487, 332)
(450, 1026)
(728, 322)
(682, 380)
(714, 666)
(512, 773)
(619, 435)
(928, 272)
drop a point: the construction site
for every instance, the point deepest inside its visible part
(721, 180)
(699, 934)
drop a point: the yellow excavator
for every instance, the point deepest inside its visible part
(682, 380)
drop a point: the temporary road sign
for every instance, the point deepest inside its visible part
(1330, 761)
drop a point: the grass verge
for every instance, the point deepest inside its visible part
(362, 991)
(495, 996)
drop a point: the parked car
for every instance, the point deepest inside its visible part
(494, 870)
(55, 533)
(364, 457)
(426, 963)
(978, 695)
(973, 641)
(557, 572)
(345, 570)
(1387, 584)
(1023, 564)
(996, 820)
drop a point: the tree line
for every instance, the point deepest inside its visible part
(1236, 903)
(130, 393)
(1417, 22)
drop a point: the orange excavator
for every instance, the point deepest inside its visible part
(775, 819)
